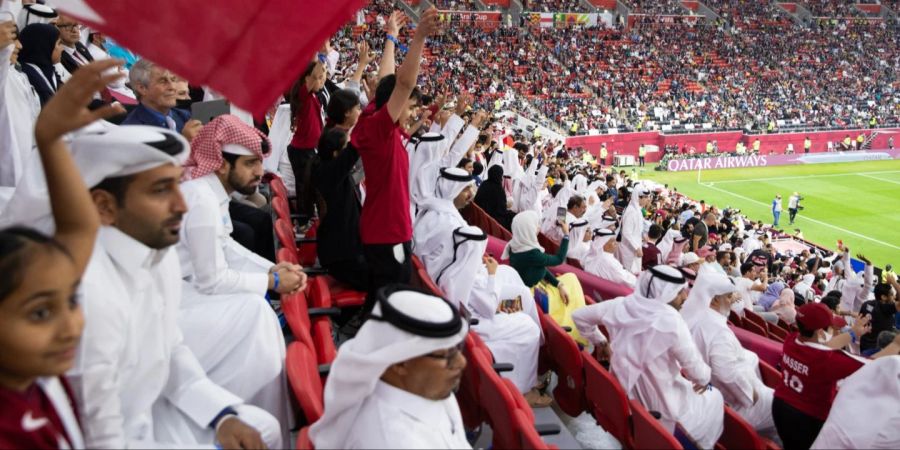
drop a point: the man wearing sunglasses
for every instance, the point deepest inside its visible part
(392, 385)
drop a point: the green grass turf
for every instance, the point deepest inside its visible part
(862, 198)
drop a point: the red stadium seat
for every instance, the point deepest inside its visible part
(330, 292)
(296, 313)
(771, 377)
(468, 396)
(738, 434)
(529, 437)
(564, 358)
(648, 433)
(303, 376)
(497, 401)
(607, 401)
(752, 326)
(303, 442)
(284, 232)
(767, 349)
(278, 187)
(757, 319)
(281, 208)
(735, 319)
(777, 333)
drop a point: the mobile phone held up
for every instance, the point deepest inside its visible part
(561, 214)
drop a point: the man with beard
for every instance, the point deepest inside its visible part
(224, 315)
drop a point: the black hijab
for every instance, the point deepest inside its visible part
(491, 197)
(36, 57)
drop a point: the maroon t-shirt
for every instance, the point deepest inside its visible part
(29, 420)
(651, 256)
(385, 217)
(308, 128)
(810, 373)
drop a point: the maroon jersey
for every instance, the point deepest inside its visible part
(30, 419)
(810, 374)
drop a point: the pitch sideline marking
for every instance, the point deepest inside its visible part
(806, 218)
(865, 174)
(808, 176)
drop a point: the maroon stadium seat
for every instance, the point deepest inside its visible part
(564, 358)
(606, 400)
(303, 376)
(738, 434)
(649, 434)
(771, 377)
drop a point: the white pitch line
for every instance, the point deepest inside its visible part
(805, 218)
(749, 180)
(876, 178)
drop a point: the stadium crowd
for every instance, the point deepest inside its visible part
(141, 290)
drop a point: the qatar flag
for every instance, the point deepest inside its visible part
(251, 51)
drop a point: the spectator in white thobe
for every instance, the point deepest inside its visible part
(392, 385)
(632, 230)
(651, 348)
(735, 371)
(225, 317)
(601, 260)
(505, 308)
(137, 383)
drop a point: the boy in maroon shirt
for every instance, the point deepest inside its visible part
(811, 366)
(386, 223)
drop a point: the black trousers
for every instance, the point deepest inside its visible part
(253, 229)
(792, 213)
(300, 163)
(641, 161)
(384, 268)
(797, 430)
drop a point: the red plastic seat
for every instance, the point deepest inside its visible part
(296, 314)
(323, 340)
(303, 376)
(303, 442)
(562, 354)
(648, 433)
(757, 319)
(278, 187)
(738, 434)
(777, 333)
(497, 401)
(528, 436)
(284, 232)
(735, 319)
(750, 325)
(281, 208)
(771, 377)
(329, 292)
(468, 396)
(607, 401)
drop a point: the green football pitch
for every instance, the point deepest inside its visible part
(856, 202)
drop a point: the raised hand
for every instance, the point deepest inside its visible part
(68, 110)
(395, 23)
(429, 24)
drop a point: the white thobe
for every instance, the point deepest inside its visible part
(632, 231)
(137, 383)
(225, 317)
(19, 108)
(606, 266)
(394, 418)
(735, 371)
(746, 297)
(512, 338)
(433, 236)
(661, 386)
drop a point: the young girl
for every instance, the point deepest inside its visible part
(40, 319)
(306, 115)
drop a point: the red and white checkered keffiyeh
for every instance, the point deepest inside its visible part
(206, 149)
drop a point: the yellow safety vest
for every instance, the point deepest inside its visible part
(603, 152)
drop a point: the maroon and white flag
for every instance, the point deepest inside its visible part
(251, 51)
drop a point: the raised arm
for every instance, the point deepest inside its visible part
(394, 24)
(76, 217)
(409, 70)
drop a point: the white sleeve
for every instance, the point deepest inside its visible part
(212, 274)
(685, 351)
(451, 129)
(485, 303)
(191, 391)
(95, 378)
(631, 232)
(460, 147)
(624, 277)
(727, 372)
(586, 320)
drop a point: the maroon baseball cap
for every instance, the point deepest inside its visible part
(815, 316)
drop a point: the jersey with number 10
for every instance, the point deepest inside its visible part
(810, 373)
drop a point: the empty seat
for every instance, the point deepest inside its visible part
(607, 401)
(562, 354)
(648, 433)
(303, 442)
(303, 376)
(771, 377)
(497, 401)
(738, 434)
